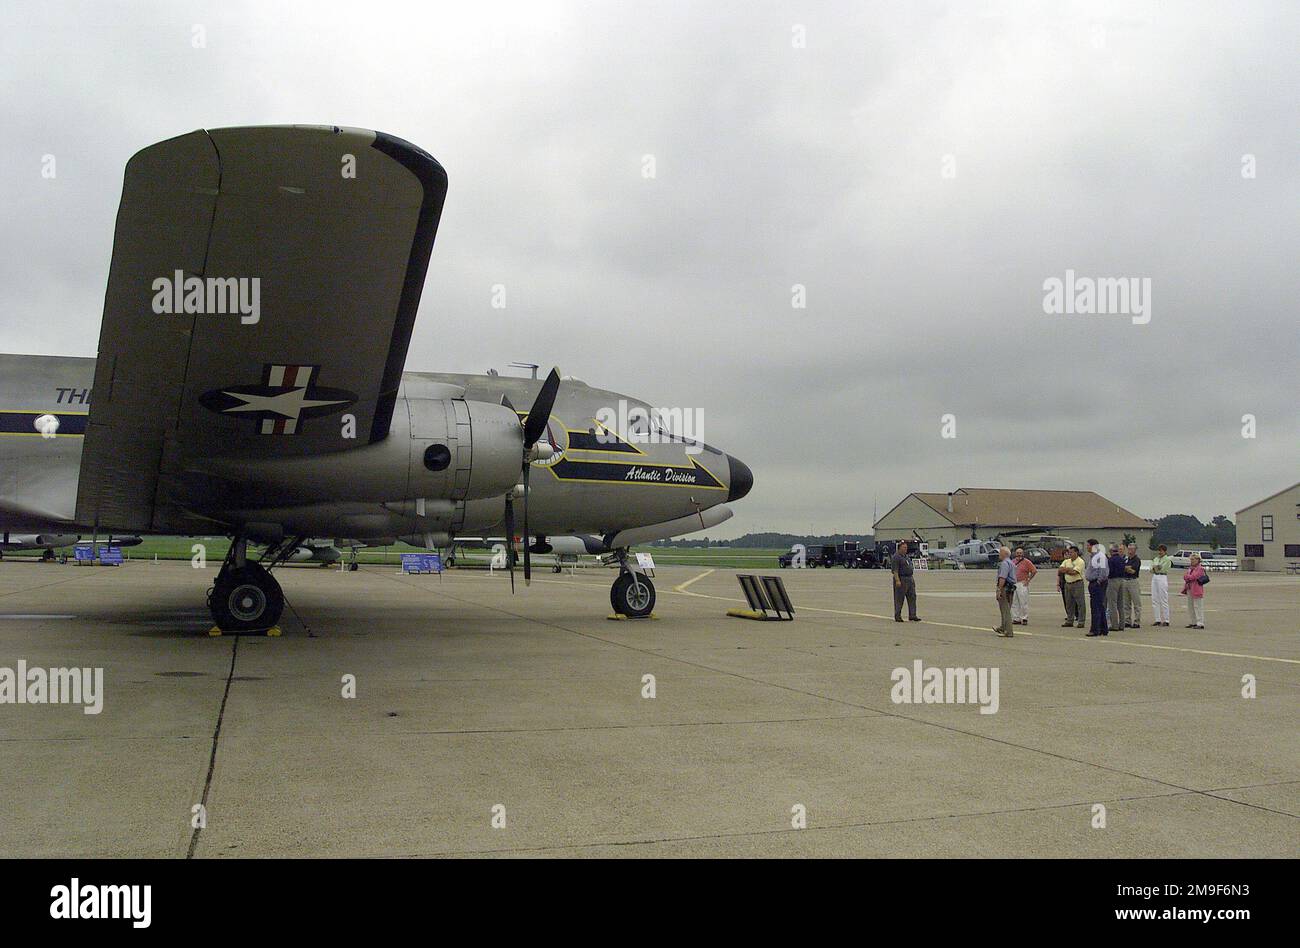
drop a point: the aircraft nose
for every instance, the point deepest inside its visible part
(741, 478)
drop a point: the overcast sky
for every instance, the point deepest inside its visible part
(920, 168)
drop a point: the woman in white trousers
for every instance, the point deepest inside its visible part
(1194, 581)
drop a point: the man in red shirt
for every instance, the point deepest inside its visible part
(1025, 572)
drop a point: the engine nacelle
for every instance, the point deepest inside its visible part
(463, 450)
(438, 449)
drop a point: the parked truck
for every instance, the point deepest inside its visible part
(849, 554)
(814, 555)
(879, 554)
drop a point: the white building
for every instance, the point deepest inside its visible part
(1268, 532)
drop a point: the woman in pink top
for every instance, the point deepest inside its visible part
(1194, 590)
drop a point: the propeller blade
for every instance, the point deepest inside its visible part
(535, 423)
(528, 563)
(510, 539)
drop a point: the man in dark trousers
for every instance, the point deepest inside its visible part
(1097, 573)
(1115, 587)
(904, 584)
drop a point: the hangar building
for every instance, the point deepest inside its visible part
(944, 520)
(1268, 532)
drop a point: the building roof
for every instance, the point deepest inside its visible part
(1049, 509)
(1267, 499)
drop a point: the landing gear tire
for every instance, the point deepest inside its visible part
(632, 595)
(246, 600)
(451, 562)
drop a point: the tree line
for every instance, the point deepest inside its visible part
(1172, 529)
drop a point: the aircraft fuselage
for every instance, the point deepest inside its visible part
(596, 481)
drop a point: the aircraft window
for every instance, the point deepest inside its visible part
(437, 457)
(662, 430)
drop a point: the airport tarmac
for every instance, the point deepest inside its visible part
(470, 699)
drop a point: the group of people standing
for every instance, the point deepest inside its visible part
(1109, 581)
(1113, 593)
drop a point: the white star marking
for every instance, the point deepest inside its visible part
(287, 404)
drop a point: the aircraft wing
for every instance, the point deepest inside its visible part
(330, 232)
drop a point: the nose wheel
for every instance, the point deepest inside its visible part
(632, 595)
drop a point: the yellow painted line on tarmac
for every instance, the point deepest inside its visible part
(1172, 648)
(681, 587)
(681, 590)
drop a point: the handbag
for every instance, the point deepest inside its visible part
(1203, 579)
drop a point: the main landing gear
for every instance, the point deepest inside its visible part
(245, 596)
(633, 593)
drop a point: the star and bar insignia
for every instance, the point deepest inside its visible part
(285, 398)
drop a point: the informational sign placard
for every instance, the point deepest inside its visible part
(645, 561)
(108, 555)
(421, 563)
(923, 563)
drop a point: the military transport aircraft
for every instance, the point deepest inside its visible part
(47, 543)
(260, 302)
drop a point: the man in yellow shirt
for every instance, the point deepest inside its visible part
(1070, 580)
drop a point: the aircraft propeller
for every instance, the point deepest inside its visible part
(534, 425)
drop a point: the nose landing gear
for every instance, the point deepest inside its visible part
(633, 592)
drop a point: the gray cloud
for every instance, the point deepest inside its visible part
(1103, 138)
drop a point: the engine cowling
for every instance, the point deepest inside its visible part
(438, 449)
(439, 454)
(463, 450)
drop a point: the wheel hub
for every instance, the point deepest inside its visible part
(247, 602)
(638, 595)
